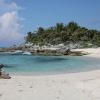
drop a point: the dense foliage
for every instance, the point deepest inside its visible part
(70, 33)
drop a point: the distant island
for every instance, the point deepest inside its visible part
(57, 40)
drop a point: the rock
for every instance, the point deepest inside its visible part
(67, 52)
(2, 74)
(5, 76)
(1, 66)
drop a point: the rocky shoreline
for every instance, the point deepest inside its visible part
(44, 52)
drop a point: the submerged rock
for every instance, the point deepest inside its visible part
(1, 66)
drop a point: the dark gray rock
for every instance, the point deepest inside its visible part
(5, 76)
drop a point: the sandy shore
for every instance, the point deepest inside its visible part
(92, 52)
(72, 86)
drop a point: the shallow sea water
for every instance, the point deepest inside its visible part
(47, 64)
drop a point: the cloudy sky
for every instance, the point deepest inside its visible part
(17, 17)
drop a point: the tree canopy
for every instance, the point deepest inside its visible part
(63, 33)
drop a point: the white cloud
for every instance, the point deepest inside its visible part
(9, 6)
(10, 26)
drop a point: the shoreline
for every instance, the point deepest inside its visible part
(53, 73)
(91, 52)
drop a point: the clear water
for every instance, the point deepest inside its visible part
(47, 64)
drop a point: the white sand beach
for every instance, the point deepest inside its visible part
(92, 52)
(71, 86)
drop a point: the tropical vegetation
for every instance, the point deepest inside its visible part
(64, 33)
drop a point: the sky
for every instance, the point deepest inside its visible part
(17, 17)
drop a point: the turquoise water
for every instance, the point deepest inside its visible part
(47, 64)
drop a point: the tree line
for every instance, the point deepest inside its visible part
(64, 33)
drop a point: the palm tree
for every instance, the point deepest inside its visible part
(29, 37)
(59, 27)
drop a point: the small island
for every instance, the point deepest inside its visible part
(60, 39)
